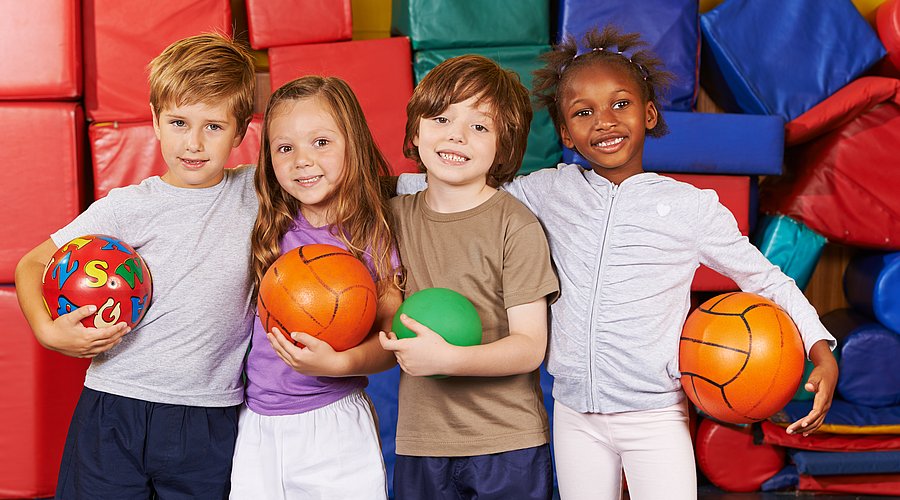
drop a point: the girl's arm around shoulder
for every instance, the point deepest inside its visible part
(320, 359)
(65, 334)
(520, 352)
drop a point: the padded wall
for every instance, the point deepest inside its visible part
(782, 58)
(290, 22)
(42, 145)
(122, 37)
(441, 24)
(378, 71)
(41, 50)
(41, 388)
(127, 153)
(843, 171)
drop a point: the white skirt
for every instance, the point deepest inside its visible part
(329, 453)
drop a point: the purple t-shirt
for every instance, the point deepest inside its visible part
(273, 387)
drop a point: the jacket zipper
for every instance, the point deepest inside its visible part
(596, 291)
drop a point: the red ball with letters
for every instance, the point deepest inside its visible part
(98, 270)
(322, 290)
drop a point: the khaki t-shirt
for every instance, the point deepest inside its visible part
(497, 256)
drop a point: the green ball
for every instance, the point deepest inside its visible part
(445, 311)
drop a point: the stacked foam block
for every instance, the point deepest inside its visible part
(41, 136)
(841, 110)
(377, 69)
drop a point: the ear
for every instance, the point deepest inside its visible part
(566, 137)
(155, 122)
(652, 115)
(415, 140)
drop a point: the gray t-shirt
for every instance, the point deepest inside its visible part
(189, 347)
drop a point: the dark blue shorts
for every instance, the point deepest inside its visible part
(119, 447)
(520, 474)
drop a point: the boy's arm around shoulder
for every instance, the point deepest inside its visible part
(520, 352)
(66, 334)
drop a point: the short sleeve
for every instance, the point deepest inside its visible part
(527, 271)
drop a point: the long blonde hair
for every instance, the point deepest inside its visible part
(359, 216)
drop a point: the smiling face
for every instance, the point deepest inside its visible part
(307, 149)
(458, 146)
(605, 119)
(196, 141)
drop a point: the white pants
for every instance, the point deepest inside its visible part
(329, 453)
(653, 446)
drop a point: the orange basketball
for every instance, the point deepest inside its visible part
(741, 358)
(322, 290)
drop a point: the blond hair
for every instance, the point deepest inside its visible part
(359, 216)
(208, 68)
(464, 77)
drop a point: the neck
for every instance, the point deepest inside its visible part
(617, 176)
(447, 199)
(315, 217)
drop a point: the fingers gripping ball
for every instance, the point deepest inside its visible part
(322, 290)
(98, 270)
(741, 358)
(445, 311)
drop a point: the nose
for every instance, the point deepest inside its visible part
(604, 119)
(302, 159)
(456, 133)
(195, 141)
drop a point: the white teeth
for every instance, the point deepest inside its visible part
(452, 157)
(610, 142)
(308, 181)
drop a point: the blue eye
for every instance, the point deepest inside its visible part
(177, 123)
(215, 126)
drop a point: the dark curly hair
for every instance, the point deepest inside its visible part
(609, 46)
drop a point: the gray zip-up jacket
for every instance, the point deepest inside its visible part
(626, 256)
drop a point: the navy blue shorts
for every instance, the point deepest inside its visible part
(520, 474)
(120, 447)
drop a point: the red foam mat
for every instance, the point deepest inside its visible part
(41, 389)
(41, 50)
(120, 40)
(823, 441)
(842, 167)
(272, 23)
(734, 193)
(866, 484)
(42, 145)
(127, 153)
(729, 459)
(380, 73)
